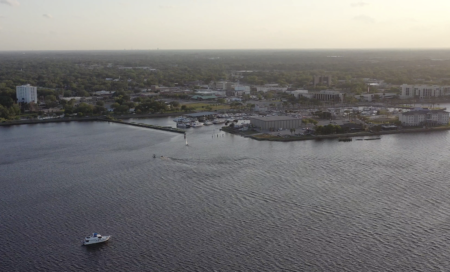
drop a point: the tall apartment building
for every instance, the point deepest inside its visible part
(423, 91)
(322, 80)
(26, 94)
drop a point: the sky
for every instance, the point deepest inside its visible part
(223, 24)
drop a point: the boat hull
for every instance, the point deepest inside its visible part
(96, 242)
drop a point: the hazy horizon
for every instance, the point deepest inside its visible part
(29, 25)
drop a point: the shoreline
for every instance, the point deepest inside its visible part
(337, 136)
(255, 136)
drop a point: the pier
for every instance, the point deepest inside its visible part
(91, 119)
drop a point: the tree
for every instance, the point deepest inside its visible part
(4, 112)
(6, 101)
(175, 104)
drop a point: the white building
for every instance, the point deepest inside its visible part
(241, 90)
(275, 122)
(261, 108)
(26, 94)
(423, 91)
(222, 85)
(271, 87)
(422, 117)
(328, 95)
(298, 93)
(371, 96)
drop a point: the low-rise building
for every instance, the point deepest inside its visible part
(328, 95)
(271, 87)
(298, 93)
(423, 91)
(261, 108)
(424, 117)
(275, 122)
(371, 96)
(103, 93)
(220, 85)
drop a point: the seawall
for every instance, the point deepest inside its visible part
(90, 119)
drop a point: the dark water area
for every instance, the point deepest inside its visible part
(222, 203)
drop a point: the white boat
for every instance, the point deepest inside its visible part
(95, 238)
(196, 124)
(219, 121)
(181, 125)
(207, 123)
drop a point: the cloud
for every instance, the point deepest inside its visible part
(359, 4)
(364, 19)
(48, 16)
(12, 3)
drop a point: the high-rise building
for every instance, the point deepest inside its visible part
(26, 94)
(322, 80)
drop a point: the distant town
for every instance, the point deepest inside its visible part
(319, 104)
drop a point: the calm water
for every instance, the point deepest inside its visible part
(220, 204)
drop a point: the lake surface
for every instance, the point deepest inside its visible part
(223, 203)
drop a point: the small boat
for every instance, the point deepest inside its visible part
(345, 139)
(219, 121)
(181, 125)
(196, 124)
(95, 238)
(207, 123)
(371, 139)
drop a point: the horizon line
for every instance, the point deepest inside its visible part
(253, 49)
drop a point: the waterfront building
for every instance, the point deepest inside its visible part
(423, 91)
(26, 94)
(422, 117)
(275, 122)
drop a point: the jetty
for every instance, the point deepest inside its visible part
(91, 119)
(170, 129)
